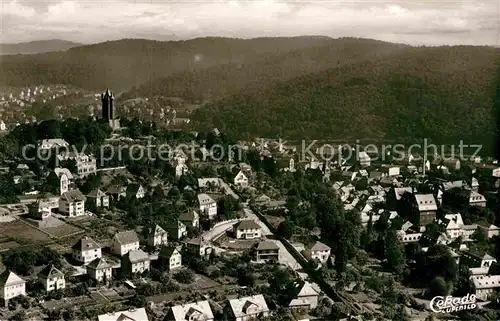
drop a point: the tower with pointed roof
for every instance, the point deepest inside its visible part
(108, 112)
(107, 99)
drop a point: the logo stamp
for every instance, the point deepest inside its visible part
(440, 304)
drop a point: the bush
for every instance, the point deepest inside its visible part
(184, 276)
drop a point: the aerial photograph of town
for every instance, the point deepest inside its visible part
(249, 160)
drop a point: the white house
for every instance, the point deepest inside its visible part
(172, 257)
(248, 308)
(455, 225)
(390, 170)
(364, 159)
(100, 270)
(86, 250)
(190, 218)
(241, 180)
(72, 203)
(306, 297)
(127, 315)
(485, 285)
(123, 242)
(207, 205)
(155, 235)
(476, 199)
(247, 229)
(197, 311)
(11, 285)
(52, 278)
(85, 164)
(319, 252)
(137, 261)
(2, 126)
(53, 143)
(405, 237)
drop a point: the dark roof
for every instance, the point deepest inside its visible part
(154, 229)
(126, 237)
(50, 271)
(247, 225)
(73, 196)
(85, 244)
(99, 263)
(267, 245)
(188, 216)
(96, 193)
(167, 251)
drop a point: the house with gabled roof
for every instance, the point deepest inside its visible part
(424, 209)
(197, 311)
(126, 315)
(98, 198)
(305, 296)
(116, 192)
(363, 159)
(124, 242)
(240, 180)
(318, 252)
(243, 309)
(474, 259)
(136, 261)
(263, 199)
(488, 230)
(72, 203)
(86, 250)
(190, 218)
(453, 224)
(11, 286)
(483, 286)
(155, 235)
(176, 229)
(170, 257)
(100, 270)
(52, 278)
(199, 246)
(266, 251)
(247, 229)
(476, 199)
(208, 205)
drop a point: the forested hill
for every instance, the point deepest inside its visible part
(124, 63)
(443, 93)
(220, 80)
(33, 47)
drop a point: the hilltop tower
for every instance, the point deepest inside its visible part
(108, 112)
(107, 99)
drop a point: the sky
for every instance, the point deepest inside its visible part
(416, 22)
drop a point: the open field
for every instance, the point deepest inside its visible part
(63, 230)
(5, 246)
(203, 282)
(21, 231)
